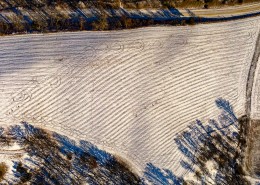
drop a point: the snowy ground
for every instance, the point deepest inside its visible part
(255, 113)
(128, 91)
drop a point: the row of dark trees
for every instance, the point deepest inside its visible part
(114, 4)
(102, 23)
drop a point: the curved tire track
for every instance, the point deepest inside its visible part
(251, 75)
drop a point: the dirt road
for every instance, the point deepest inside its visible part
(223, 12)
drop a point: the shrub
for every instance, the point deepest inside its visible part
(39, 25)
(82, 23)
(183, 23)
(18, 24)
(126, 22)
(100, 24)
(168, 4)
(191, 21)
(5, 28)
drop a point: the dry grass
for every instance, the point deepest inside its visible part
(3, 170)
(190, 4)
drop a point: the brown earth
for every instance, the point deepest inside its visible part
(253, 149)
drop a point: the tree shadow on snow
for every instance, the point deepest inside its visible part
(212, 151)
(57, 159)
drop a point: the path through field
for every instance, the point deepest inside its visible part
(223, 12)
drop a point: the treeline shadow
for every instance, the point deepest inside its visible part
(218, 143)
(57, 159)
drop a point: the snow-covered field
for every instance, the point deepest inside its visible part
(128, 91)
(255, 113)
